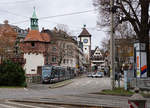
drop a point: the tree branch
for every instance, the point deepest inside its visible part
(132, 9)
(131, 20)
(123, 19)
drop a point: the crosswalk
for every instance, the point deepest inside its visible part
(10, 104)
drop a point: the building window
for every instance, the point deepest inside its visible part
(64, 61)
(32, 44)
(54, 48)
(53, 59)
(71, 61)
(67, 61)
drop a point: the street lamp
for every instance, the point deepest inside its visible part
(112, 44)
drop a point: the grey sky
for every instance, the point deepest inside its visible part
(21, 10)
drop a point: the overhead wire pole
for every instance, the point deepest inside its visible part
(112, 43)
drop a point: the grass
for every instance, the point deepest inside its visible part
(121, 92)
(117, 91)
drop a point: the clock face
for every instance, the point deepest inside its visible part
(85, 40)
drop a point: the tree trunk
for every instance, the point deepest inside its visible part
(144, 29)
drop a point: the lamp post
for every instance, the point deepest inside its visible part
(112, 45)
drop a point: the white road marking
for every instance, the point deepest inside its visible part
(30, 106)
(7, 106)
(52, 106)
(86, 83)
(96, 82)
(76, 84)
(25, 89)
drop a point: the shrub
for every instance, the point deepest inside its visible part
(11, 74)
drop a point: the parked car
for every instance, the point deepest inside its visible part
(98, 75)
(90, 75)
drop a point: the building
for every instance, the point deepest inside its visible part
(65, 49)
(85, 38)
(97, 59)
(124, 51)
(7, 41)
(50, 47)
(35, 47)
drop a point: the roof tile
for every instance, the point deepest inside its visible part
(85, 32)
(35, 35)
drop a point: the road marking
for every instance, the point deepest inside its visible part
(25, 89)
(53, 106)
(30, 106)
(76, 84)
(7, 106)
(96, 82)
(86, 83)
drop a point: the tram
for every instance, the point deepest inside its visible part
(53, 74)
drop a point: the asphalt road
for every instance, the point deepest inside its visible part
(77, 93)
(82, 85)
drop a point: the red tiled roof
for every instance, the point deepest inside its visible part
(35, 35)
(45, 37)
(6, 29)
(84, 33)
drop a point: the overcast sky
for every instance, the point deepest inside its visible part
(18, 12)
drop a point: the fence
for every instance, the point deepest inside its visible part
(142, 83)
(33, 79)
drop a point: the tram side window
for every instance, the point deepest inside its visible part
(53, 73)
(56, 73)
(63, 72)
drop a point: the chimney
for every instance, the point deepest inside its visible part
(42, 28)
(28, 29)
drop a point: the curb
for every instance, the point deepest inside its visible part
(69, 104)
(60, 85)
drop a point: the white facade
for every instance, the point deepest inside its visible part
(97, 52)
(97, 58)
(32, 62)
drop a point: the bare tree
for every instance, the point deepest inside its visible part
(136, 12)
(105, 43)
(64, 28)
(61, 51)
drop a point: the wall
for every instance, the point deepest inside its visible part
(32, 62)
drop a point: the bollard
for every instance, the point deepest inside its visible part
(137, 101)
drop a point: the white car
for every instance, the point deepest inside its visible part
(90, 75)
(98, 75)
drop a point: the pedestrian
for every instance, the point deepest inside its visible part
(117, 78)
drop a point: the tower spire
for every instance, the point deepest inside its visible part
(34, 13)
(34, 21)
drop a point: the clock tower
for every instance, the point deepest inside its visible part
(85, 38)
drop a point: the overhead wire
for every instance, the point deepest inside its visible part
(55, 16)
(15, 14)
(14, 2)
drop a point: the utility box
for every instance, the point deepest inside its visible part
(140, 59)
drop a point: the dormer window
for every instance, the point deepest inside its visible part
(32, 44)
